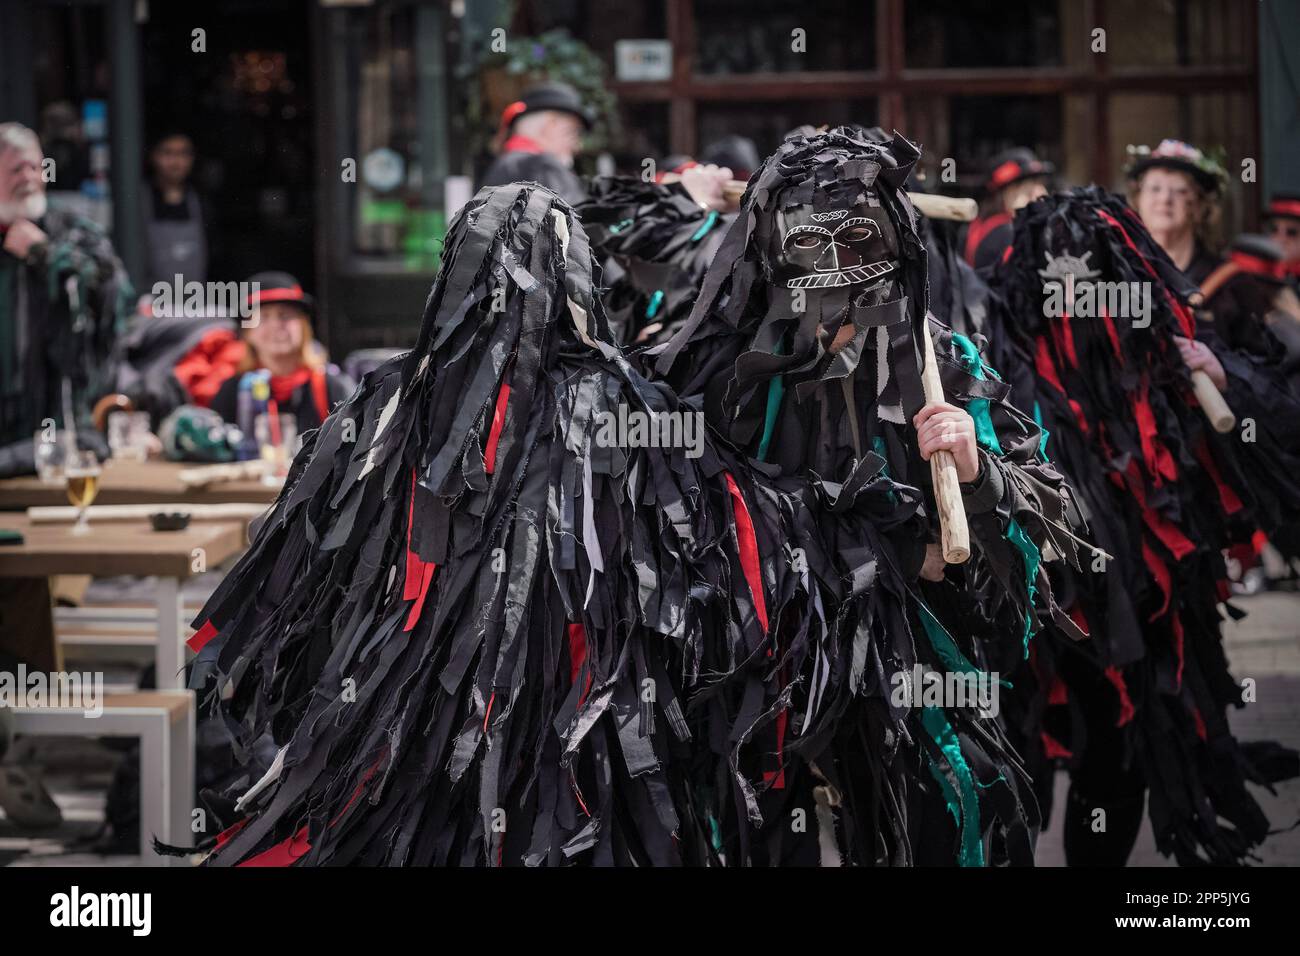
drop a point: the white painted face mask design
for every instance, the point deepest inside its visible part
(835, 249)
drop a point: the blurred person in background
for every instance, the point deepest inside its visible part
(543, 131)
(1282, 222)
(175, 222)
(1248, 296)
(655, 241)
(1016, 178)
(1175, 189)
(64, 300)
(736, 153)
(280, 341)
(63, 142)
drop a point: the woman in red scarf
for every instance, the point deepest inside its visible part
(279, 340)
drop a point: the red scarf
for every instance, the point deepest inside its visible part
(979, 230)
(283, 387)
(521, 144)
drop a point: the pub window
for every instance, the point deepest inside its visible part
(1179, 32)
(758, 36)
(396, 201)
(958, 34)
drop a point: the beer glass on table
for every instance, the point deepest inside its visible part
(81, 482)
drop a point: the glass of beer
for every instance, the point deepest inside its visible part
(81, 482)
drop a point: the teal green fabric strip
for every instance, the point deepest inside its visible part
(878, 446)
(708, 224)
(775, 392)
(970, 355)
(943, 644)
(985, 434)
(1033, 557)
(945, 786)
(1043, 432)
(978, 408)
(656, 301)
(964, 804)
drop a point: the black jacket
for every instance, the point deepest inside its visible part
(524, 167)
(61, 312)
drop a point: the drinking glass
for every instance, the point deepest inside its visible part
(277, 441)
(81, 482)
(50, 454)
(127, 435)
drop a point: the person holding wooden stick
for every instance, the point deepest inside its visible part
(811, 352)
(1091, 328)
(655, 241)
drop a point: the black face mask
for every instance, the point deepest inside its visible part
(832, 247)
(830, 260)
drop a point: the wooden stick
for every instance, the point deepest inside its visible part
(1208, 395)
(952, 208)
(227, 511)
(943, 471)
(1212, 403)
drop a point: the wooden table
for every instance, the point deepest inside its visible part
(128, 547)
(124, 482)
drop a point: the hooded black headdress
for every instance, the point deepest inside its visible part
(1085, 333)
(655, 243)
(852, 257)
(826, 242)
(471, 617)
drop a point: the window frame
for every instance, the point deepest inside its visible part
(892, 81)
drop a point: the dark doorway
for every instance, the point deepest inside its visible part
(246, 104)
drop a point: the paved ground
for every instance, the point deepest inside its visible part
(1265, 646)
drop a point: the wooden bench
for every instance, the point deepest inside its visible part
(163, 722)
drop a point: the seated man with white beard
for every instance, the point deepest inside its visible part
(64, 299)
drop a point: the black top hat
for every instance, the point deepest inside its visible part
(1013, 166)
(547, 96)
(1258, 255)
(1283, 206)
(279, 287)
(1180, 156)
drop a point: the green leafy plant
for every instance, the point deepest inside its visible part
(554, 55)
